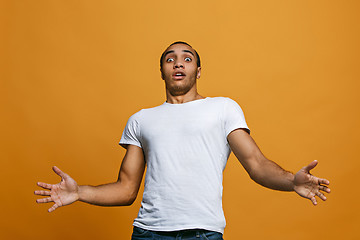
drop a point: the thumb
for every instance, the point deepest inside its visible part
(59, 172)
(310, 166)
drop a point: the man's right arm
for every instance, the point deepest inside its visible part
(123, 192)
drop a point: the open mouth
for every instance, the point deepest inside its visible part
(179, 75)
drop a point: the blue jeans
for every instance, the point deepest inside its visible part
(193, 234)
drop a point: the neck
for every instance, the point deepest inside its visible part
(188, 97)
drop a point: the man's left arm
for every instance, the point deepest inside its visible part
(269, 174)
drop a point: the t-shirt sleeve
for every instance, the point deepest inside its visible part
(233, 117)
(131, 133)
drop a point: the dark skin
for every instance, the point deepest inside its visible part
(180, 74)
(123, 192)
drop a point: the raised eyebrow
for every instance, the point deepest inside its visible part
(168, 52)
(188, 51)
(172, 51)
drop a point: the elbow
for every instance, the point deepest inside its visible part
(130, 200)
(131, 195)
(125, 194)
(257, 177)
(254, 176)
(255, 169)
(125, 201)
(129, 203)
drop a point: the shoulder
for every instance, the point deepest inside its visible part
(146, 112)
(228, 105)
(223, 100)
(137, 115)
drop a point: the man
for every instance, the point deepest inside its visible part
(185, 144)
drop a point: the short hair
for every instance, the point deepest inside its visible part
(180, 42)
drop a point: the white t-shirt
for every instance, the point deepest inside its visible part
(186, 150)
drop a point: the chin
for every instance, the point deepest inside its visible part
(179, 90)
(180, 87)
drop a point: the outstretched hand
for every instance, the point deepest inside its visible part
(63, 193)
(309, 186)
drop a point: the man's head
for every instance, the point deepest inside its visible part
(180, 67)
(180, 42)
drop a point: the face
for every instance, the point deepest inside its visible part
(179, 69)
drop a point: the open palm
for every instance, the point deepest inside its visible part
(63, 193)
(309, 186)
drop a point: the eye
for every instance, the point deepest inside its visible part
(169, 60)
(187, 59)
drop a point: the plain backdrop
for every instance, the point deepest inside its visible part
(73, 72)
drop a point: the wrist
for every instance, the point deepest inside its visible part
(292, 182)
(81, 193)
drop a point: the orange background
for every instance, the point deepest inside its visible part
(72, 72)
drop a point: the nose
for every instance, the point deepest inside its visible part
(178, 64)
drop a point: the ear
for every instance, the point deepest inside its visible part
(198, 72)
(162, 75)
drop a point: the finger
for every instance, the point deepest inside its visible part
(55, 206)
(45, 185)
(324, 188)
(44, 200)
(42, 193)
(324, 181)
(58, 171)
(311, 166)
(321, 195)
(313, 200)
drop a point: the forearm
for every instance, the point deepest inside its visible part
(260, 169)
(111, 194)
(269, 174)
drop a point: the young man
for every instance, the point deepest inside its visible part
(185, 144)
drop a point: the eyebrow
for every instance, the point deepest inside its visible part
(172, 51)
